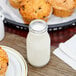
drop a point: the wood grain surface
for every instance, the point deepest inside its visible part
(55, 67)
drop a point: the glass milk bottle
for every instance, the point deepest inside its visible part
(2, 32)
(38, 44)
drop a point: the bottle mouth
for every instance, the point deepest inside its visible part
(38, 26)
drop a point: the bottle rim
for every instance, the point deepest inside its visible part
(38, 21)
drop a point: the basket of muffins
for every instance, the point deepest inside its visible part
(57, 13)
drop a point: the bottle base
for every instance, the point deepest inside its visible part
(39, 66)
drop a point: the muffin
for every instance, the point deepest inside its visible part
(15, 3)
(75, 3)
(3, 62)
(62, 8)
(35, 9)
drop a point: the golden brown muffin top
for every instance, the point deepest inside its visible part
(63, 4)
(17, 1)
(3, 61)
(75, 3)
(33, 9)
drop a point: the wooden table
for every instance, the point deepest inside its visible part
(55, 67)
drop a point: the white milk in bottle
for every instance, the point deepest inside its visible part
(38, 44)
